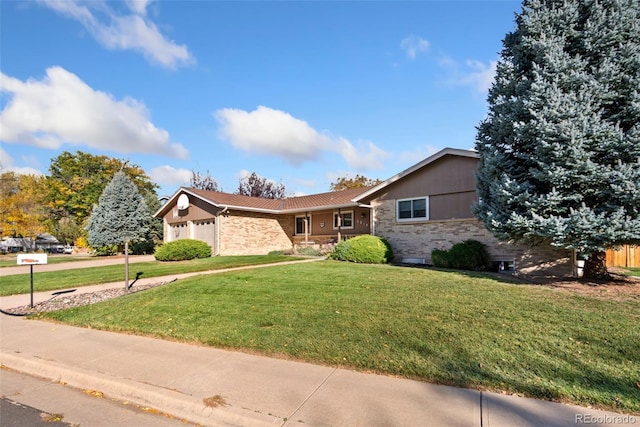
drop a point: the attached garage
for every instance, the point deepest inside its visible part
(205, 230)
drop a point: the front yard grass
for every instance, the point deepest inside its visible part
(633, 271)
(467, 330)
(47, 281)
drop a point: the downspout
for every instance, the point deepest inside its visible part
(372, 226)
(339, 225)
(217, 250)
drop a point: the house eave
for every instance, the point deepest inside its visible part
(320, 208)
(417, 166)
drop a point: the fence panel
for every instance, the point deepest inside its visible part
(626, 256)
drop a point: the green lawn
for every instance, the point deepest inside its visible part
(633, 271)
(467, 330)
(46, 281)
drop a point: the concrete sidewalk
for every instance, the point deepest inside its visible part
(216, 387)
(259, 391)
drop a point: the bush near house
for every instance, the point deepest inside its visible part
(183, 249)
(365, 249)
(467, 255)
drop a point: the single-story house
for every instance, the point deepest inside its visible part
(427, 206)
(241, 225)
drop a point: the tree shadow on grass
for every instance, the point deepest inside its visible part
(569, 379)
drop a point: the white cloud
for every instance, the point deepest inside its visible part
(474, 74)
(480, 75)
(412, 45)
(419, 154)
(138, 6)
(277, 133)
(269, 131)
(124, 32)
(7, 165)
(366, 156)
(62, 109)
(168, 175)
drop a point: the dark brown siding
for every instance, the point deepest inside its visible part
(452, 206)
(449, 182)
(450, 174)
(197, 210)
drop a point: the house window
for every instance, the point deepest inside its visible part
(300, 224)
(413, 209)
(343, 219)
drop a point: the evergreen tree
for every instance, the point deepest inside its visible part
(560, 147)
(121, 213)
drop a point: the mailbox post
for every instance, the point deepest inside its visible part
(31, 260)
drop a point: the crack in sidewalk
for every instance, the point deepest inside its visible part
(306, 399)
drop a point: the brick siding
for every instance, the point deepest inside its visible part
(247, 233)
(417, 240)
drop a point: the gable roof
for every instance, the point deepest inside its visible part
(314, 202)
(417, 166)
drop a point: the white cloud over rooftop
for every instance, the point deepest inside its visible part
(278, 133)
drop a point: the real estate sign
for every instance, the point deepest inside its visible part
(32, 259)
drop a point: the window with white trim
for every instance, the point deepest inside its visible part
(343, 220)
(300, 224)
(412, 209)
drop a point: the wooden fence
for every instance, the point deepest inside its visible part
(626, 256)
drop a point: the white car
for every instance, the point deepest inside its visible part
(67, 250)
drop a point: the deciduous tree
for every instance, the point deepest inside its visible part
(346, 183)
(77, 180)
(22, 205)
(203, 182)
(256, 186)
(560, 148)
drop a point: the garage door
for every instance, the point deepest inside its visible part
(179, 231)
(205, 231)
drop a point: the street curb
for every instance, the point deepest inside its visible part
(168, 401)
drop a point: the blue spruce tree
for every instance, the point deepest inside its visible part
(121, 213)
(560, 147)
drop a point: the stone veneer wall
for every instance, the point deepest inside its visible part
(248, 233)
(418, 239)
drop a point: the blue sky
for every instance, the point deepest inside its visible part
(299, 92)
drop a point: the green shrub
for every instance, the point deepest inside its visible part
(183, 249)
(308, 251)
(105, 250)
(467, 255)
(364, 249)
(281, 252)
(440, 258)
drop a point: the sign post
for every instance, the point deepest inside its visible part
(31, 260)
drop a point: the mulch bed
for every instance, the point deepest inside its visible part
(70, 300)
